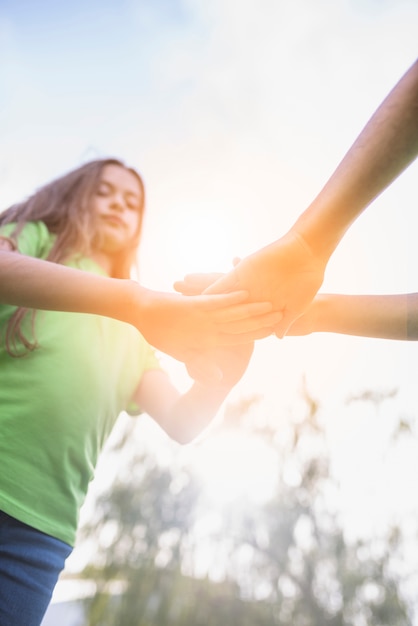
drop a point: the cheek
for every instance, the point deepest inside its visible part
(97, 205)
(134, 222)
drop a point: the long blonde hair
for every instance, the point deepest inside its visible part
(63, 205)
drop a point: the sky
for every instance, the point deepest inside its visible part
(236, 113)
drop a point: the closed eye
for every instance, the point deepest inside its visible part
(132, 204)
(103, 189)
(132, 201)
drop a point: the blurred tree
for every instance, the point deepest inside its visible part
(286, 562)
(310, 574)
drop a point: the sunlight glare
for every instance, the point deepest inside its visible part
(201, 237)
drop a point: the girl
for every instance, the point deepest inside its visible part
(71, 359)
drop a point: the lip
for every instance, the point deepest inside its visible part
(114, 220)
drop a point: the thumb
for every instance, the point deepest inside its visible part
(226, 283)
(285, 323)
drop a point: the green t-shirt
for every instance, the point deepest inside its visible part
(59, 403)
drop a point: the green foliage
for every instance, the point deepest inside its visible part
(286, 562)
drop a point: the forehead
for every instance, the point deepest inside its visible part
(121, 178)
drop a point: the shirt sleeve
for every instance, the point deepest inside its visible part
(33, 240)
(151, 363)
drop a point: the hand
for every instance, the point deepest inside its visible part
(306, 323)
(286, 273)
(215, 366)
(231, 363)
(195, 284)
(186, 327)
(6, 243)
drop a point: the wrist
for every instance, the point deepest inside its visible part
(132, 302)
(299, 249)
(320, 313)
(319, 240)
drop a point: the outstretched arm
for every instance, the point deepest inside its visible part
(385, 147)
(289, 271)
(381, 316)
(179, 326)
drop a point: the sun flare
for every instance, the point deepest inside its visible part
(201, 237)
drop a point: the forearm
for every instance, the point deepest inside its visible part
(385, 147)
(380, 316)
(192, 413)
(38, 284)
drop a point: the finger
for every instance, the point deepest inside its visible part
(243, 311)
(231, 339)
(219, 301)
(285, 323)
(186, 289)
(194, 284)
(203, 278)
(270, 321)
(228, 282)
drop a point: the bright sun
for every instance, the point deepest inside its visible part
(200, 237)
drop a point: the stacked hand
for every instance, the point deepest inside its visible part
(221, 367)
(285, 273)
(207, 332)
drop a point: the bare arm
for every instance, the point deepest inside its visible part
(38, 284)
(385, 147)
(381, 316)
(184, 416)
(290, 271)
(176, 325)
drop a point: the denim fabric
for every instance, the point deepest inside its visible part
(30, 563)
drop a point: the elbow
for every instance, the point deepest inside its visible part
(178, 433)
(183, 438)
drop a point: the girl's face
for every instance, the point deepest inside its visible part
(117, 205)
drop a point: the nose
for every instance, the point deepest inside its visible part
(117, 202)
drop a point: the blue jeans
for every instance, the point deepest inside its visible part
(30, 563)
